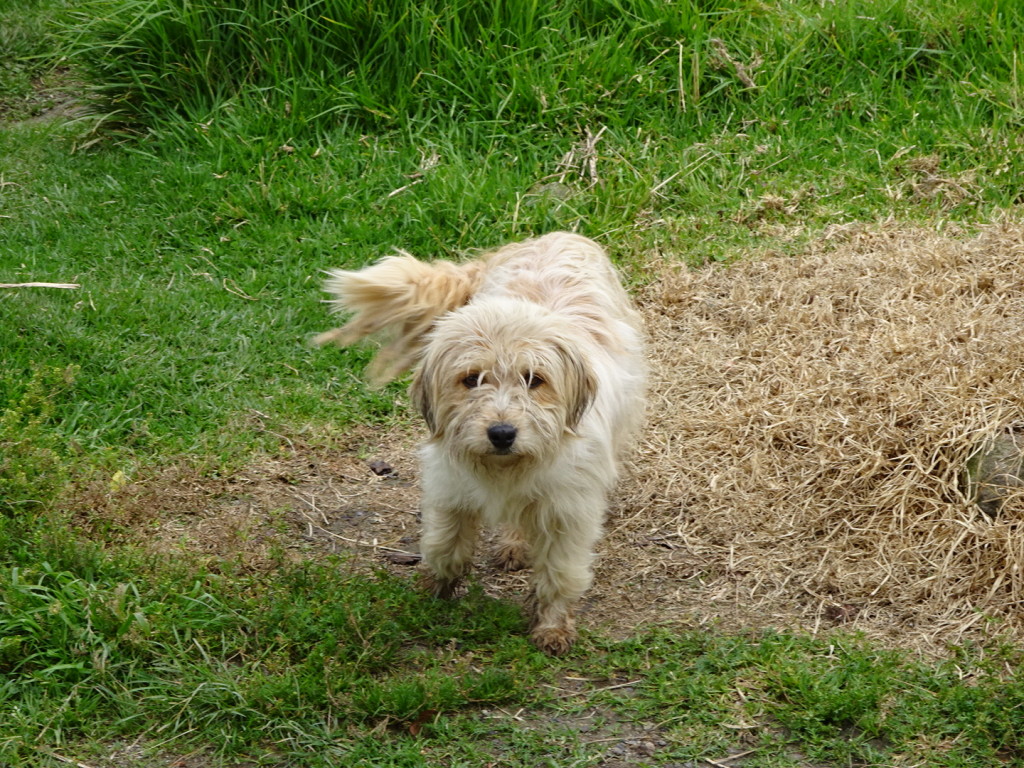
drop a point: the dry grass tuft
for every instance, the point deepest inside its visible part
(811, 419)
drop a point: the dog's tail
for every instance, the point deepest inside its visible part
(398, 298)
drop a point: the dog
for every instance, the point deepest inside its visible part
(528, 369)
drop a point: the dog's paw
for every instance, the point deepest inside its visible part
(554, 641)
(437, 587)
(511, 556)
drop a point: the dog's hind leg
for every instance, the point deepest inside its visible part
(512, 552)
(447, 543)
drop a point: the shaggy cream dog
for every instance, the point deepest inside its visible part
(529, 372)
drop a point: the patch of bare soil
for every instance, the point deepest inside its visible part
(136, 755)
(54, 97)
(810, 419)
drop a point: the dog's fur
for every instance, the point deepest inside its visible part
(529, 372)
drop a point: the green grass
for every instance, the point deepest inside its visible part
(179, 305)
(551, 64)
(328, 667)
(231, 156)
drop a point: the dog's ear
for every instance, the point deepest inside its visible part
(581, 385)
(419, 393)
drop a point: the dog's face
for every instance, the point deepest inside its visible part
(501, 381)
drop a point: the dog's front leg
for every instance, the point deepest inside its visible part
(447, 543)
(562, 557)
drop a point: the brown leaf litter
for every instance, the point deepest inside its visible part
(810, 419)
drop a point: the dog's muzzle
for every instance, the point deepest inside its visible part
(501, 436)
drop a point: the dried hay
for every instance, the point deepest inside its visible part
(811, 420)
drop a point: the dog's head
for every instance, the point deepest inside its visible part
(502, 378)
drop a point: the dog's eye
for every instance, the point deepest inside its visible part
(472, 381)
(533, 380)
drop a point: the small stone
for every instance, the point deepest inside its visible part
(996, 471)
(402, 558)
(380, 468)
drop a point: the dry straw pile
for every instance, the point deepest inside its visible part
(812, 417)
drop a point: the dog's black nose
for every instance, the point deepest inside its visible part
(501, 436)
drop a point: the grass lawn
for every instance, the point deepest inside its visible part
(229, 156)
